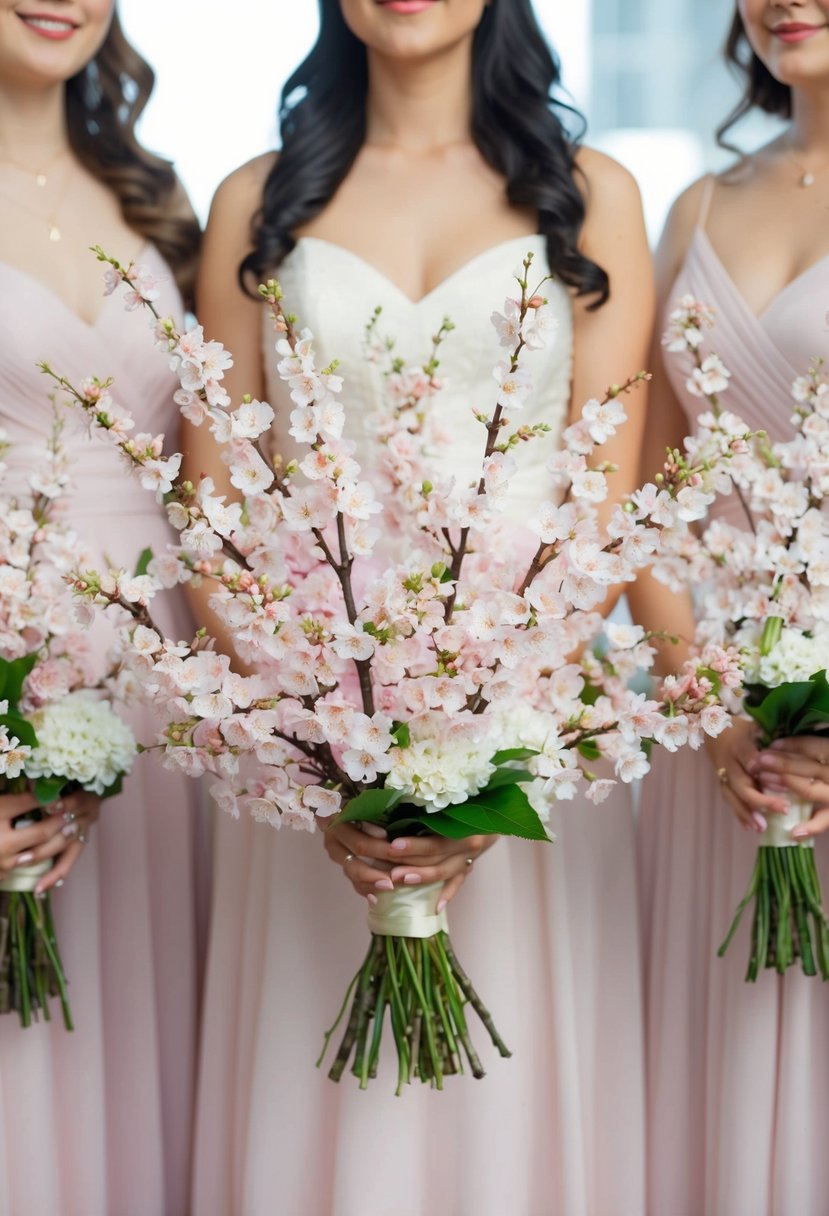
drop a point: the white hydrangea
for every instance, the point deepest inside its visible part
(437, 772)
(795, 657)
(82, 739)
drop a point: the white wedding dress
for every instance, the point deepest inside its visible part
(548, 933)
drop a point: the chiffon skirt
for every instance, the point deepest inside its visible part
(548, 934)
(738, 1098)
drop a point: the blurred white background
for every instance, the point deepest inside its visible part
(647, 74)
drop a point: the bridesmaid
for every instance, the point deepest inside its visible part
(96, 1123)
(738, 1118)
(421, 158)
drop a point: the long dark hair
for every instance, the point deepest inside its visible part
(760, 89)
(515, 126)
(103, 104)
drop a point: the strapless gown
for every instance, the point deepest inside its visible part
(738, 1116)
(99, 1122)
(549, 933)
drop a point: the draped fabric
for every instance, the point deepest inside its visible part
(737, 1112)
(549, 933)
(98, 1122)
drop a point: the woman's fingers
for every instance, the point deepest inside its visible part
(777, 763)
(61, 868)
(364, 877)
(811, 747)
(815, 826)
(12, 805)
(68, 833)
(14, 841)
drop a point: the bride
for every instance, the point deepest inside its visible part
(421, 159)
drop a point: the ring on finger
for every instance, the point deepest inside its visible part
(348, 857)
(470, 861)
(82, 837)
(69, 816)
(722, 776)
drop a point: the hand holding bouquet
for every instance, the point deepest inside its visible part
(56, 734)
(421, 678)
(765, 590)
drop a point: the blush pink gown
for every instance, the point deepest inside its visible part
(550, 933)
(738, 1099)
(98, 1122)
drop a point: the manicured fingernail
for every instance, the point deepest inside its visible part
(768, 760)
(59, 883)
(800, 830)
(39, 892)
(759, 821)
(372, 899)
(71, 829)
(441, 904)
(399, 845)
(384, 884)
(57, 807)
(373, 829)
(779, 745)
(23, 859)
(411, 880)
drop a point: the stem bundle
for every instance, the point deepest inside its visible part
(31, 971)
(789, 921)
(421, 984)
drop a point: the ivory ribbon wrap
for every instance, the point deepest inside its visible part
(778, 835)
(25, 878)
(408, 912)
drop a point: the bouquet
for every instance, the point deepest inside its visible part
(766, 591)
(56, 733)
(452, 692)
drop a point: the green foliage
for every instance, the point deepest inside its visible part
(798, 708)
(370, 806)
(48, 789)
(144, 559)
(19, 728)
(12, 674)
(504, 811)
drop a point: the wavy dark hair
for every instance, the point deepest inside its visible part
(103, 104)
(761, 90)
(515, 126)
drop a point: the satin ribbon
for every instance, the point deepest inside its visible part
(408, 912)
(25, 878)
(778, 834)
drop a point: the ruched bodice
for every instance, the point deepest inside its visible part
(334, 293)
(763, 353)
(37, 326)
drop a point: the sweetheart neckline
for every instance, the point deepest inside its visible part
(450, 278)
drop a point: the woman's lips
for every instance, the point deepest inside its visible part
(793, 31)
(54, 28)
(406, 6)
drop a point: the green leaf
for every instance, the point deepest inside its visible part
(12, 674)
(442, 825)
(20, 728)
(589, 694)
(589, 748)
(144, 559)
(115, 788)
(47, 789)
(812, 721)
(777, 711)
(503, 812)
(370, 806)
(508, 776)
(513, 753)
(401, 734)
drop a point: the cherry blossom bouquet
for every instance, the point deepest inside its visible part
(451, 692)
(56, 732)
(765, 589)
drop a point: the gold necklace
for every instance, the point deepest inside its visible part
(807, 176)
(41, 180)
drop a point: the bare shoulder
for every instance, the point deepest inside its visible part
(239, 194)
(605, 180)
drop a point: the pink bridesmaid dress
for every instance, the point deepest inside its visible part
(98, 1122)
(549, 933)
(738, 1074)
